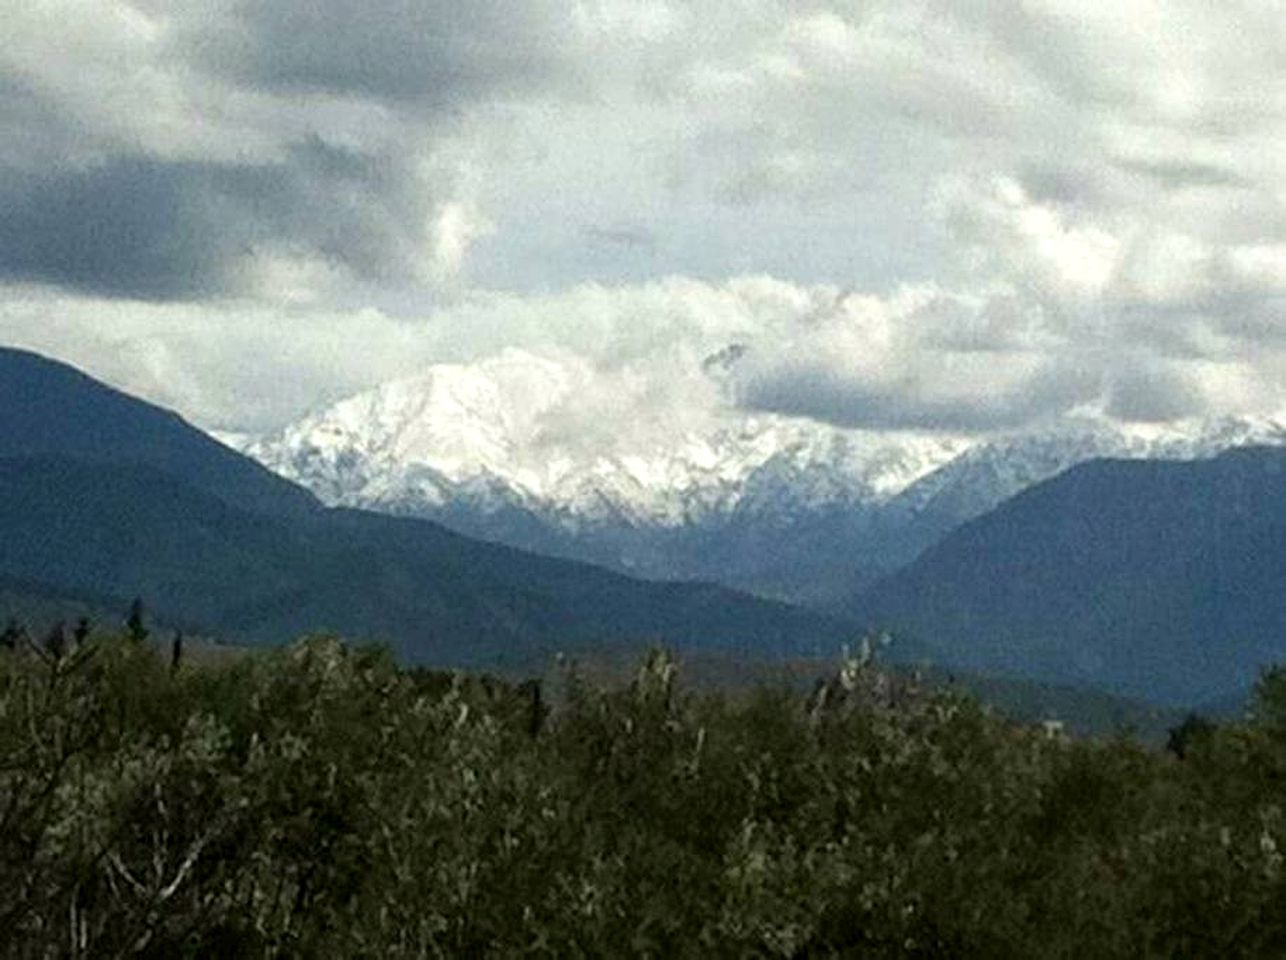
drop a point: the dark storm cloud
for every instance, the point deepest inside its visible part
(153, 229)
(133, 227)
(913, 403)
(111, 192)
(1177, 176)
(1152, 393)
(432, 52)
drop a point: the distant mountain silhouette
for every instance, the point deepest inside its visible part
(436, 596)
(51, 409)
(1155, 579)
(103, 494)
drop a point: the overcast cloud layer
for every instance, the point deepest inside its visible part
(961, 217)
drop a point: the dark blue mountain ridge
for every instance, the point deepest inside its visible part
(104, 494)
(435, 596)
(1157, 579)
(48, 408)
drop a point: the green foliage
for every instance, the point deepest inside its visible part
(1189, 735)
(322, 801)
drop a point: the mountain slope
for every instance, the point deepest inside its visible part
(104, 494)
(992, 471)
(1155, 579)
(50, 409)
(436, 596)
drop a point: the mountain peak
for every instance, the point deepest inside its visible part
(1154, 578)
(437, 433)
(517, 449)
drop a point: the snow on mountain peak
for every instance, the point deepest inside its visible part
(435, 436)
(551, 454)
(994, 470)
(543, 434)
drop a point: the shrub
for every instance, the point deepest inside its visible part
(321, 801)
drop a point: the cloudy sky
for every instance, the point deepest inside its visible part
(963, 217)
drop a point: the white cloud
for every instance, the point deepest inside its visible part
(955, 217)
(920, 358)
(234, 366)
(1007, 234)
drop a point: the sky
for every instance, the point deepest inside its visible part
(892, 216)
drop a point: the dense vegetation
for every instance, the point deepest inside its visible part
(321, 801)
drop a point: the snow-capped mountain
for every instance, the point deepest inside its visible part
(491, 450)
(486, 435)
(785, 506)
(991, 472)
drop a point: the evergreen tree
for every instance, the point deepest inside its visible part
(536, 709)
(135, 625)
(11, 636)
(56, 642)
(1194, 729)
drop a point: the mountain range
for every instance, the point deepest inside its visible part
(784, 507)
(104, 495)
(762, 503)
(1031, 558)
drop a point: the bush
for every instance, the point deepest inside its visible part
(321, 801)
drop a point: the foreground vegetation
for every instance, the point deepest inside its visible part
(320, 801)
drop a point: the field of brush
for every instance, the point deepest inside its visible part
(321, 801)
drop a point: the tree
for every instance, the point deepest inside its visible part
(11, 636)
(56, 642)
(1269, 703)
(1194, 729)
(135, 625)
